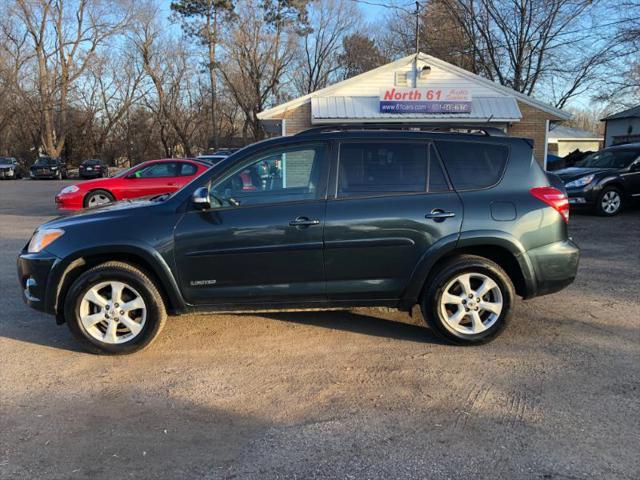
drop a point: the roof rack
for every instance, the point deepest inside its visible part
(447, 128)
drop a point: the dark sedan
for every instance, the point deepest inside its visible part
(48, 167)
(93, 168)
(606, 180)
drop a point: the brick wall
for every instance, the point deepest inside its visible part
(297, 119)
(532, 125)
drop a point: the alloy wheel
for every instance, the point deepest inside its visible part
(98, 199)
(611, 202)
(471, 303)
(113, 312)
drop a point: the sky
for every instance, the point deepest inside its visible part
(374, 12)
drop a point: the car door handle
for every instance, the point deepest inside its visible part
(303, 222)
(439, 215)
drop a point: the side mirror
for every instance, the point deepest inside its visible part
(200, 198)
(635, 167)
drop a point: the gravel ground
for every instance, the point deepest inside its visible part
(361, 394)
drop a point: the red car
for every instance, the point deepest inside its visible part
(154, 177)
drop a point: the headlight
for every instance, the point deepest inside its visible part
(54, 168)
(69, 189)
(42, 238)
(581, 182)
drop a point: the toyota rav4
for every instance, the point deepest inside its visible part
(459, 223)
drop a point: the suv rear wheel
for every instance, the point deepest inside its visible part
(469, 300)
(114, 308)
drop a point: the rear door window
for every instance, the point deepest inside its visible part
(473, 165)
(369, 169)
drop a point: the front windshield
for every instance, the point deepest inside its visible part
(609, 159)
(125, 172)
(45, 161)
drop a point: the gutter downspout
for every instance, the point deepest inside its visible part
(546, 143)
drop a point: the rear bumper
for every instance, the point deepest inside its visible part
(555, 266)
(34, 270)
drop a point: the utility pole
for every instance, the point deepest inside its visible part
(417, 27)
(415, 58)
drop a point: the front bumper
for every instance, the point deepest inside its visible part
(555, 266)
(69, 202)
(34, 270)
(8, 173)
(44, 176)
(586, 196)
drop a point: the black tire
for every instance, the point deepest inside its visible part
(601, 209)
(116, 271)
(94, 193)
(435, 288)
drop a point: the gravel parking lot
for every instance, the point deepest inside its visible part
(361, 394)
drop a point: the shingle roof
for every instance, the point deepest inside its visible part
(633, 112)
(564, 132)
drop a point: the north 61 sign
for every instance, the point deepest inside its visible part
(425, 100)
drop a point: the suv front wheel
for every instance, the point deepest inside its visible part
(469, 300)
(114, 308)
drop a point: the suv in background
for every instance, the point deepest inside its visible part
(48, 167)
(10, 168)
(93, 168)
(337, 217)
(604, 181)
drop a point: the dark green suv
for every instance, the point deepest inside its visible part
(337, 217)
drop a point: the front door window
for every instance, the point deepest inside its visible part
(278, 176)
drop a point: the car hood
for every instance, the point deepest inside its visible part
(101, 213)
(96, 182)
(573, 173)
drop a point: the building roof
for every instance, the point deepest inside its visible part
(562, 132)
(633, 112)
(500, 90)
(341, 109)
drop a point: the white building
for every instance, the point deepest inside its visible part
(419, 89)
(622, 127)
(564, 140)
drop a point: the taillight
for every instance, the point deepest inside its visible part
(554, 198)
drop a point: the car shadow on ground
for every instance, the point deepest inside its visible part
(42, 331)
(358, 322)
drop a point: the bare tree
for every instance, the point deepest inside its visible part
(318, 64)
(524, 43)
(64, 36)
(260, 50)
(169, 66)
(201, 19)
(112, 87)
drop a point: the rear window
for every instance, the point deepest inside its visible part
(473, 165)
(188, 169)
